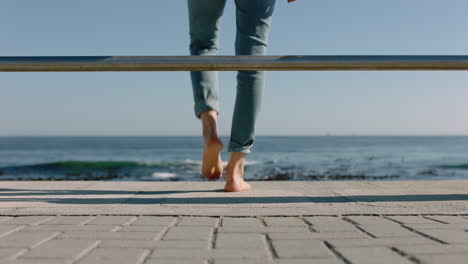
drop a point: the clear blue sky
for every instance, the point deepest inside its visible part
(305, 103)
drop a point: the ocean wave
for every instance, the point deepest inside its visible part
(455, 166)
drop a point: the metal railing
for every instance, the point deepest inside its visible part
(234, 63)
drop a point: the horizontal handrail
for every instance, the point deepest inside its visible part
(234, 63)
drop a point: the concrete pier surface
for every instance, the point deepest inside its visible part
(196, 222)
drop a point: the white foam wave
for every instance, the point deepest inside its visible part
(163, 175)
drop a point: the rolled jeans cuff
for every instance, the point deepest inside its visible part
(208, 105)
(236, 147)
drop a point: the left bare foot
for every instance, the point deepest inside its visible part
(212, 168)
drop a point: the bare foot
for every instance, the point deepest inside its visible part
(235, 174)
(212, 168)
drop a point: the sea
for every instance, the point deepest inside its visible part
(285, 158)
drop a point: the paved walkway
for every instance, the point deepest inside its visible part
(195, 222)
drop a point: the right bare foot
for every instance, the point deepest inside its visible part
(235, 174)
(212, 168)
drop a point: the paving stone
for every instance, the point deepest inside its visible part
(4, 218)
(241, 222)
(68, 228)
(108, 235)
(26, 220)
(371, 220)
(388, 231)
(460, 258)
(372, 255)
(270, 229)
(7, 252)
(33, 261)
(433, 249)
(110, 220)
(24, 239)
(449, 236)
(284, 221)
(438, 226)
(68, 220)
(198, 221)
(155, 228)
(189, 233)
(153, 221)
(300, 248)
(243, 261)
(113, 256)
(308, 261)
(391, 241)
(240, 253)
(449, 219)
(61, 249)
(330, 224)
(175, 261)
(412, 219)
(247, 241)
(174, 244)
(187, 253)
(9, 228)
(317, 236)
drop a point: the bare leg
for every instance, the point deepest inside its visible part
(212, 168)
(235, 173)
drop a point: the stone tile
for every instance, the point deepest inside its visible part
(391, 241)
(371, 220)
(187, 253)
(317, 236)
(239, 254)
(112, 256)
(68, 220)
(189, 233)
(241, 222)
(33, 261)
(412, 219)
(9, 228)
(308, 261)
(300, 248)
(245, 241)
(284, 221)
(449, 219)
(388, 231)
(372, 255)
(330, 224)
(460, 258)
(7, 252)
(449, 236)
(170, 244)
(433, 249)
(175, 261)
(68, 228)
(153, 221)
(110, 220)
(108, 235)
(24, 239)
(4, 218)
(59, 249)
(26, 220)
(438, 226)
(198, 221)
(270, 229)
(142, 228)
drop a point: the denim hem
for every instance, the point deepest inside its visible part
(234, 147)
(200, 108)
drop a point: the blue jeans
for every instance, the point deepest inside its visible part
(253, 20)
